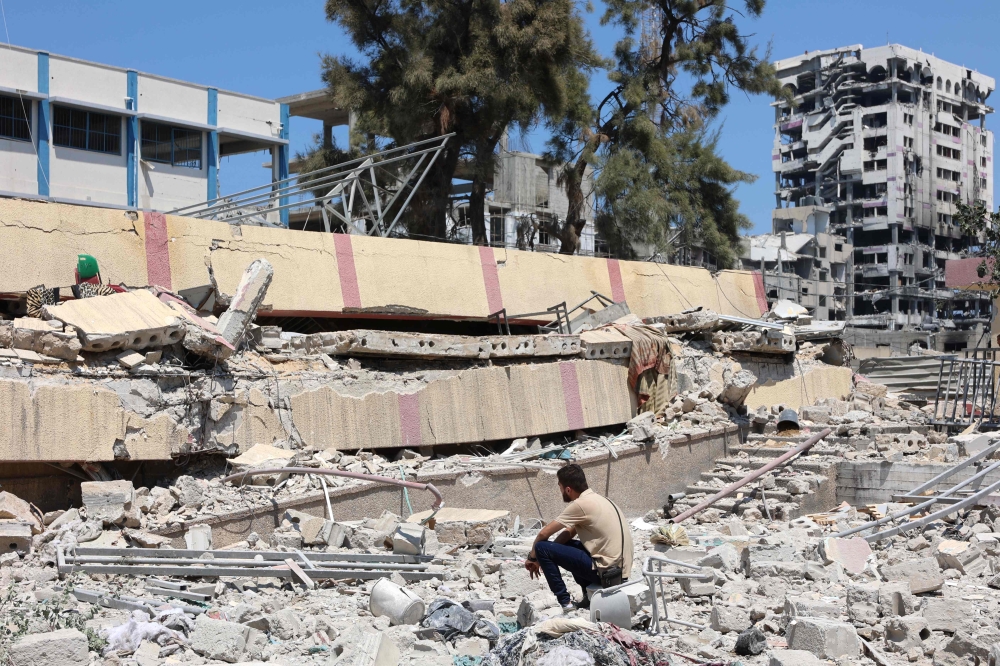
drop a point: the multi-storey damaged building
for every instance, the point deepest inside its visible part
(889, 140)
(802, 261)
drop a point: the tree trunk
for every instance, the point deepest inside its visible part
(477, 211)
(429, 209)
(569, 235)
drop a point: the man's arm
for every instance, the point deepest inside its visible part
(546, 533)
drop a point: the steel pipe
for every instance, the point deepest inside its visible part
(920, 507)
(931, 517)
(756, 474)
(375, 478)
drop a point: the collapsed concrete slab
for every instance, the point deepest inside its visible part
(45, 337)
(394, 344)
(243, 304)
(476, 405)
(361, 275)
(796, 385)
(130, 320)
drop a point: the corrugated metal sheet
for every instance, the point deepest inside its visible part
(905, 374)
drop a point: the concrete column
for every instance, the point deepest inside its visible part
(42, 126)
(212, 159)
(327, 136)
(132, 139)
(283, 161)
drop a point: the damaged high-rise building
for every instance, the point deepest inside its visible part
(889, 140)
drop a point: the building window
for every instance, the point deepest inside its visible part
(543, 237)
(822, 253)
(982, 183)
(87, 130)
(982, 161)
(982, 138)
(171, 145)
(907, 142)
(498, 236)
(822, 301)
(14, 123)
(838, 247)
(908, 118)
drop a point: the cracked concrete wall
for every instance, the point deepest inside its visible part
(79, 422)
(66, 418)
(806, 385)
(481, 404)
(331, 274)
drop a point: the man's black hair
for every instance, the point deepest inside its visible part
(572, 476)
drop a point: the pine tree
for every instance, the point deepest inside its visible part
(658, 178)
(475, 68)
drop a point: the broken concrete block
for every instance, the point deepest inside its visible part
(314, 530)
(163, 500)
(851, 553)
(409, 539)
(924, 574)
(198, 537)
(131, 359)
(905, 632)
(726, 618)
(693, 587)
(244, 304)
(605, 343)
(15, 508)
(188, 491)
(46, 337)
(107, 501)
(737, 387)
(827, 639)
(863, 603)
(724, 557)
(130, 320)
(218, 639)
(799, 607)
(65, 647)
(15, 537)
(895, 598)
(947, 615)
(794, 658)
(284, 624)
(961, 555)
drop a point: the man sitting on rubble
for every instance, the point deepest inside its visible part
(600, 554)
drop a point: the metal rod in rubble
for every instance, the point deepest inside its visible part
(931, 517)
(925, 505)
(429, 487)
(757, 473)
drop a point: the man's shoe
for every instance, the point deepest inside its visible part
(583, 604)
(568, 608)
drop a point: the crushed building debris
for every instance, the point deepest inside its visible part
(195, 483)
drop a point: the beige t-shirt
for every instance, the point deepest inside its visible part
(595, 520)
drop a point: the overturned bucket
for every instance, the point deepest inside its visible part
(398, 604)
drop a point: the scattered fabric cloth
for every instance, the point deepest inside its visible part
(451, 619)
(126, 638)
(671, 535)
(557, 626)
(565, 656)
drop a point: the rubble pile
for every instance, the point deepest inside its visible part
(163, 564)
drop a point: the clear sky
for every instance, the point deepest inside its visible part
(272, 49)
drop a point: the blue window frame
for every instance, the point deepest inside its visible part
(86, 130)
(171, 145)
(14, 118)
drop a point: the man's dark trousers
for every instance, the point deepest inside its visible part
(570, 556)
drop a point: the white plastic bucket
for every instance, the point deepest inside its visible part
(398, 604)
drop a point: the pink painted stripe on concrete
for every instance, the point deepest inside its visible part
(759, 291)
(491, 279)
(615, 274)
(349, 289)
(409, 418)
(157, 250)
(571, 395)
